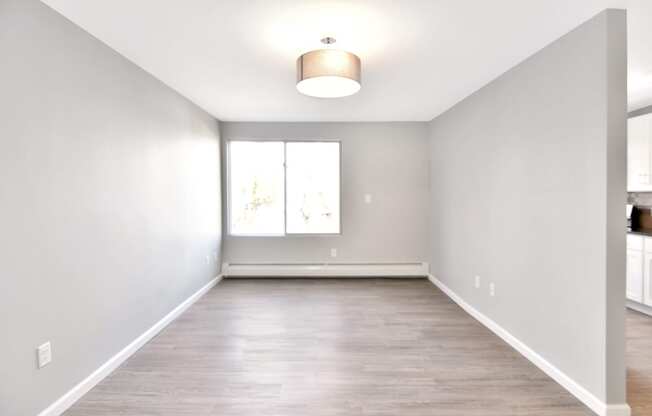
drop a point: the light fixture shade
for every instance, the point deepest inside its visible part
(328, 73)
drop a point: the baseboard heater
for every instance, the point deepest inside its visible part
(389, 269)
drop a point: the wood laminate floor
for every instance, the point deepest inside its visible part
(639, 363)
(327, 347)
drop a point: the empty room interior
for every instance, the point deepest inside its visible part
(325, 208)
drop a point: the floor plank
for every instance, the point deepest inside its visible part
(639, 363)
(327, 347)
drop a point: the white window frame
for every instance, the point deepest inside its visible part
(285, 221)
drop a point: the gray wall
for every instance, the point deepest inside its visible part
(388, 161)
(528, 180)
(109, 193)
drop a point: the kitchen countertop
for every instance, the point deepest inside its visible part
(646, 233)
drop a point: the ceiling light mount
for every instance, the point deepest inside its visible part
(328, 40)
(328, 73)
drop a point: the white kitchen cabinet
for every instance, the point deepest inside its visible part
(639, 269)
(635, 272)
(639, 153)
(646, 297)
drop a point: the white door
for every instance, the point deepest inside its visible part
(647, 279)
(635, 271)
(639, 135)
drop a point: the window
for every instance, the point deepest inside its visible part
(257, 187)
(280, 188)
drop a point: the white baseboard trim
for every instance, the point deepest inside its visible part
(585, 396)
(68, 399)
(618, 410)
(639, 307)
(339, 269)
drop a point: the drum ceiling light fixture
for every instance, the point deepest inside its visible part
(328, 73)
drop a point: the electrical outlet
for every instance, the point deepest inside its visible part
(367, 198)
(208, 260)
(333, 252)
(492, 289)
(477, 282)
(44, 354)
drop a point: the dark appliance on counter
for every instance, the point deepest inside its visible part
(633, 217)
(639, 218)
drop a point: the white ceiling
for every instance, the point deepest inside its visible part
(236, 58)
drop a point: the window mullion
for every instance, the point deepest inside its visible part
(285, 189)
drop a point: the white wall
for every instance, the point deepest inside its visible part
(388, 161)
(109, 201)
(528, 191)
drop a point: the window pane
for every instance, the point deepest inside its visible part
(313, 187)
(256, 187)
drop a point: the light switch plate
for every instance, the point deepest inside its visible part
(44, 354)
(333, 252)
(367, 198)
(477, 282)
